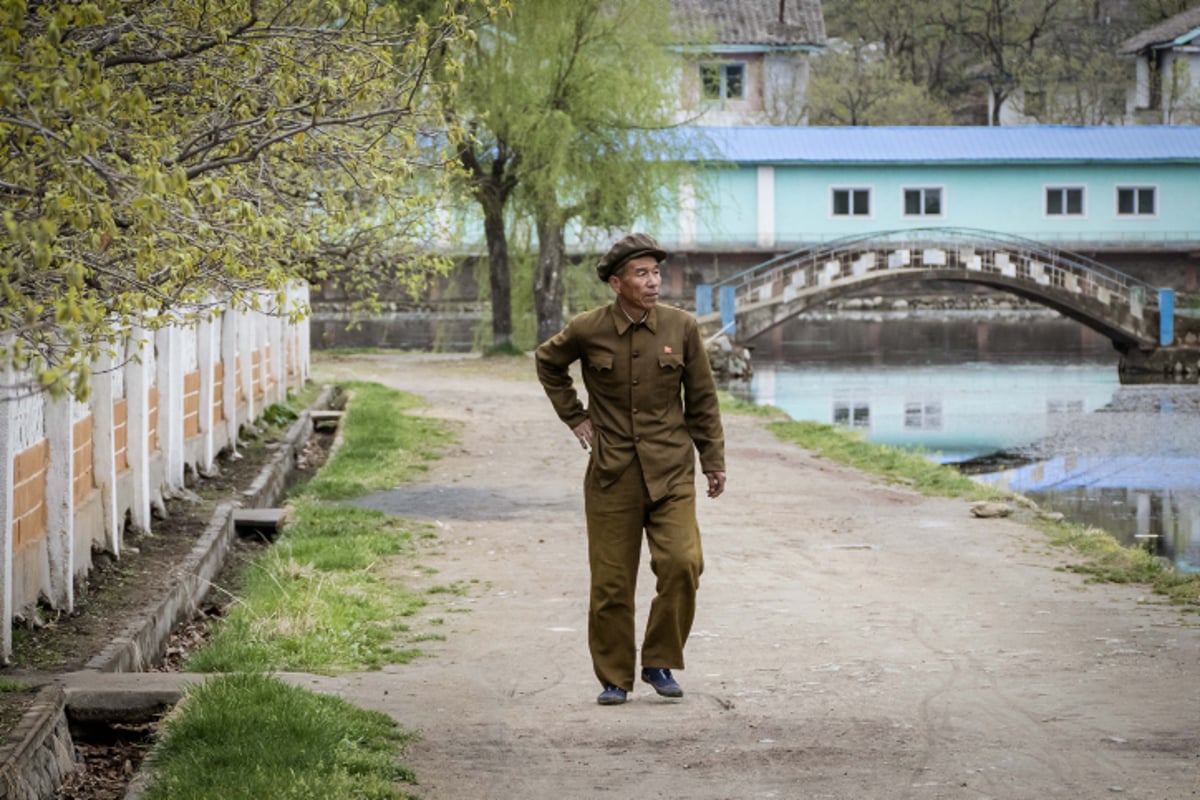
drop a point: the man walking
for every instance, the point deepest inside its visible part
(651, 400)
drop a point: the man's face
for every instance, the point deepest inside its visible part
(637, 285)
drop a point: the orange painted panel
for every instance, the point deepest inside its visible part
(121, 435)
(31, 461)
(85, 477)
(218, 410)
(191, 404)
(29, 493)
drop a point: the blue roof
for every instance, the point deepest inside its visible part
(1167, 473)
(961, 144)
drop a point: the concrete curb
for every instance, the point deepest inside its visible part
(38, 755)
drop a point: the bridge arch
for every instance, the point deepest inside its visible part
(1119, 306)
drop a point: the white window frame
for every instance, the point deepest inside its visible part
(1064, 187)
(1135, 188)
(904, 190)
(723, 65)
(870, 190)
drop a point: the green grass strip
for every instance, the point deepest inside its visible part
(315, 603)
(1107, 560)
(895, 464)
(248, 737)
(383, 444)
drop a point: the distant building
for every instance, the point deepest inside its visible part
(746, 62)
(1123, 194)
(1167, 84)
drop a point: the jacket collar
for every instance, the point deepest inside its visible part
(623, 323)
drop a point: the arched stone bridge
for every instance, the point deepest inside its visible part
(1120, 307)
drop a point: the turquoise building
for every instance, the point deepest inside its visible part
(1128, 196)
(1100, 187)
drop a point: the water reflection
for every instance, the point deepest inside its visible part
(1132, 468)
(956, 411)
(1123, 458)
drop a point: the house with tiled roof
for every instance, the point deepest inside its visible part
(746, 62)
(1167, 87)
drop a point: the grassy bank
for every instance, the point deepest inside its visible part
(316, 601)
(1102, 557)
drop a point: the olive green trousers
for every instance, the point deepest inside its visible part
(616, 517)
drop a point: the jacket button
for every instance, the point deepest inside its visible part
(635, 353)
(635, 411)
(637, 439)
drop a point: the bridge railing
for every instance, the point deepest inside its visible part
(1020, 261)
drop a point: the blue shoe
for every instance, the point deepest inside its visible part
(662, 681)
(612, 696)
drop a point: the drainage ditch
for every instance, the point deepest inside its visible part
(86, 733)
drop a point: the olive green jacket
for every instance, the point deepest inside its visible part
(634, 375)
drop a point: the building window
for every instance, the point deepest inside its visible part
(1059, 406)
(852, 202)
(1064, 200)
(852, 414)
(1136, 201)
(723, 81)
(925, 415)
(923, 202)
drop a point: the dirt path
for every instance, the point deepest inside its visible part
(853, 640)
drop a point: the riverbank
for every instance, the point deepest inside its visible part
(854, 639)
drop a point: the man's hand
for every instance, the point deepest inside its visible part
(583, 432)
(716, 483)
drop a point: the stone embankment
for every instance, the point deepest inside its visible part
(730, 362)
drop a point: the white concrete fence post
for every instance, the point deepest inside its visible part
(104, 449)
(137, 425)
(7, 404)
(206, 356)
(60, 502)
(169, 363)
(279, 357)
(246, 348)
(303, 339)
(230, 371)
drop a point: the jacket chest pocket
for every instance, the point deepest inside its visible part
(603, 376)
(600, 363)
(669, 376)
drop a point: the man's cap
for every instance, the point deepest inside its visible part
(632, 246)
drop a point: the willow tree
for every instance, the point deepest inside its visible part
(158, 158)
(567, 104)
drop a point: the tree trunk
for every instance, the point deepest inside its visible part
(547, 280)
(498, 274)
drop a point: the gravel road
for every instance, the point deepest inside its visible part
(853, 640)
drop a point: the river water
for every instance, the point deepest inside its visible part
(1040, 390)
